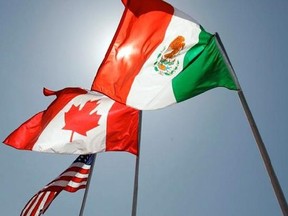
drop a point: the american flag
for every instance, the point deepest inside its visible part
(71, 180)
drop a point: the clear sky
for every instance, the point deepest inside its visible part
(197, 158)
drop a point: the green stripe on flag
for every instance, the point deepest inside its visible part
(203, 68)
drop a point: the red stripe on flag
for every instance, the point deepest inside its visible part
(28, 133)
(122, 129)
(66, 188)
(129, 48)
(72, 189)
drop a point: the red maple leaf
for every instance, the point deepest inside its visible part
(81, 121)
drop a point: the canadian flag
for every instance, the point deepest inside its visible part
(79, 121)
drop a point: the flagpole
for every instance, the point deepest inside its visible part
(87, 186)
(265, 156)
(135, 192)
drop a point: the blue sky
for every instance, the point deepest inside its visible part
(197, 157)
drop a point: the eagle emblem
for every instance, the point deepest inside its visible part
(166, 63)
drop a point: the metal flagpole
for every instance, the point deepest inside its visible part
(135, 192)
(87, 186)
(266, 159)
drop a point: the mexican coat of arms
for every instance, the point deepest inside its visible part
(167, 63)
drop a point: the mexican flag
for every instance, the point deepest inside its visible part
(79, 121)
(160, 56)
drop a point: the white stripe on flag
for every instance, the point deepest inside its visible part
(75, 174)
(80, 164)
(62, 183)
(141, 94)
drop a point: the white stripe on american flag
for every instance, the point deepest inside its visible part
(79, 164)
(67, 183)
(71, 180)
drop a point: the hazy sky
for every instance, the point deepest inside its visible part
(197, 158)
